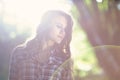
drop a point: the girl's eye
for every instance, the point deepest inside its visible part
(59, 25)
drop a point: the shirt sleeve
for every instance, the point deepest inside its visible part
(67, 71)
(13, 67)
(21, 67)
(63, 72)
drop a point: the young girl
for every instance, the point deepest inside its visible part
(47, 56)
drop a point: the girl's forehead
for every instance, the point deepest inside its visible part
(60, 20)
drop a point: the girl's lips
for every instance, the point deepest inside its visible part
(60, 37)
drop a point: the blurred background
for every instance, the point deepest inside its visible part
(95, 39)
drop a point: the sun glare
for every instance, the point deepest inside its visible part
(25, 14)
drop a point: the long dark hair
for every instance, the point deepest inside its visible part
(35, 45)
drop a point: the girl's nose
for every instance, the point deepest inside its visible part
(62, 32)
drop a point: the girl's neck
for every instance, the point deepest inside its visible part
(48, 45)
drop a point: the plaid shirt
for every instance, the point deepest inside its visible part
(24, 67)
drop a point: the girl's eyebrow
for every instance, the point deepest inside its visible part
(60, 24)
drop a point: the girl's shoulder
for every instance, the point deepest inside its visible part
(18, 53)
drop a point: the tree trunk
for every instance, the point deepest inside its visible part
(102, 28)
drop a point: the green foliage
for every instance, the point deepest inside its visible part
(85, 62)
(103, 6)
(75, 12)
(83, 54)
(88, 2)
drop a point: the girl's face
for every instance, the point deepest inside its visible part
(58, 26)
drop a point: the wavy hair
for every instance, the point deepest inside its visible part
(35, 45)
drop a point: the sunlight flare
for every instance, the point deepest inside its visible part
(26, 14)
